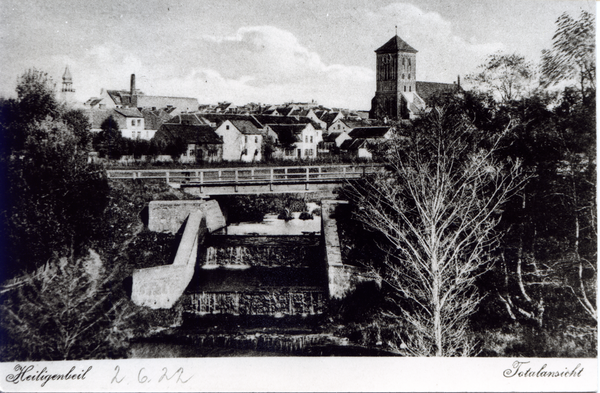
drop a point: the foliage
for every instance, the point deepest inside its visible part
(109, 142)
(507, 75)
(66, 311)
(35, 95)
(437, 206)
(572, 56)
(53, 197)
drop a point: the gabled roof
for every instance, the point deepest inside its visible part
(97, 116)
(353, 123)
(330, 137)
(428, 89)
(186, 118)
(352, 144)
(369, 132)
(288, 133)
(129, 112)
(268, 119)
(285, 111)
(219, 118)
(93, 101)
(246, 127)
(330, 117)
(396, 44)
(191, 133)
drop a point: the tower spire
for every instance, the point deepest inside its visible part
(67, 84)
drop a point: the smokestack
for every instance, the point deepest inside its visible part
(132, 84)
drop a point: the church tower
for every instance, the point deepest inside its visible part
(396, 79)
(67, 92)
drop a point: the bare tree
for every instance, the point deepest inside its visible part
(68, 310)
(436, 204)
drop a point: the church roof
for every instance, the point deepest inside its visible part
(426, 90)
(396, 44)
(67, 75)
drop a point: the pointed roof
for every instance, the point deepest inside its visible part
(396, 44)
(67, 75)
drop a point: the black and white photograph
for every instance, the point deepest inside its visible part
(340, 188)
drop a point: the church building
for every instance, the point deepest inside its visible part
(398, 93)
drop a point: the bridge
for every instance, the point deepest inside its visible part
(252, 180)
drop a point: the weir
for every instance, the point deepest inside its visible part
(256, 274)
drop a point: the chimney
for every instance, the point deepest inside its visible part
(132, 84)
(133, 98)
(458, 82)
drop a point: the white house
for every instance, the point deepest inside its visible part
(294, 141)
(242, 140)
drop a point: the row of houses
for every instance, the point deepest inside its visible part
(249, 138)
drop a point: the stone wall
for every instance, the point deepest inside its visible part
(342, 278)
(162, 286)
(168, 216)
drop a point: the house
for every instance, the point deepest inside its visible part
(331, 117)
(361, 139)
(344, 124)
(203, 144)
(130, 120)
(293, 141)
(242, 140)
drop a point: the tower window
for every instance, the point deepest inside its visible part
(402, 76)
(408, 76)
(404, 88)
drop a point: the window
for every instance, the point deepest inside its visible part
(404, 88)
(139, 122)
(133, 122)
(139, 134)
(309, 152)
(245, 138)
(402, 76)
(408, 76)
(227, 127)
(409, 88)
(306, 139)
(311, 139)
(255, 139)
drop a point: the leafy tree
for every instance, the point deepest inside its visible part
(52, 197)
(507, 76)
(175, 148)
(80, 124)
(572, 56)
(36, 97)
(436, 204)
(109, 142)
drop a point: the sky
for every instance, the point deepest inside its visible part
(267, 51)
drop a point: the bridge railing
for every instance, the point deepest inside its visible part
(249, 175)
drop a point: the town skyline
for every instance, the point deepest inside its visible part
(268, 52)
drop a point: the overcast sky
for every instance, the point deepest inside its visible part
(263, 50)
